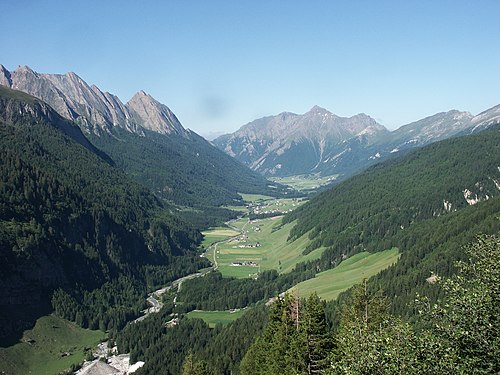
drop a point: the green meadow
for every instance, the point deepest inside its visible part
(252, 246)
(252, 198)
(329, 284)
(214, 317)
(305, 182)
(212, 236)
(265, 244)
(50, 347)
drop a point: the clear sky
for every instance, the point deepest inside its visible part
(221, 64)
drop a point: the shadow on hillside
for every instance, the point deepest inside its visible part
(15, 319)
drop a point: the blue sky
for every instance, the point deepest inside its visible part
(221, 64)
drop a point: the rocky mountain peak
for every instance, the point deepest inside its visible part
(94, 110)
(24, 69)
(5, 77)
(153, 115)
(317, 109)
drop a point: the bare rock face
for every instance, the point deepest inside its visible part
(5, 76)
(289, 143)
(486, 119)
(93, 110)
(153, 115)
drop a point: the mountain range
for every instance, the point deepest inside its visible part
(94, 110)
(320, 142)
(145, 139)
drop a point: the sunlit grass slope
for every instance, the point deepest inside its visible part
(53, 345)
(329, 284)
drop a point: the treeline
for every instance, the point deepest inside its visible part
(213, 292)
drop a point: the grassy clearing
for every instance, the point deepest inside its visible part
(259, 244)
(217, 234)
(252, 198)
(214, 317)
(53, 345)
(265, 244)
(305, 182)
(329, 284)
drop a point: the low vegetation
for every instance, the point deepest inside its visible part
(217, 317)
(329, 284)
(51, 346)
(308, 182)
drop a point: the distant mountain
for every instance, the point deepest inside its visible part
(486, 119)
(69, 219)
(146, 139)
(289, 144)
(321, 142)
(430, 129)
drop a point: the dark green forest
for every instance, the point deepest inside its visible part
(459, 333)
(70, 220)
(186, 171)
(431, 245)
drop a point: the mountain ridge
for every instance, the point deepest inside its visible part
(94, 110)
(319, 141)
(146, 140)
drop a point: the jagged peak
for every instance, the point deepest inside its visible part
(5, 77)
(25, 69)
(318, 109)
(74, 76)
(140, 94)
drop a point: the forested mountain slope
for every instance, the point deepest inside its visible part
(149, 143)
(69, 219)
(390, 197)
(363, 213)
(183, 170)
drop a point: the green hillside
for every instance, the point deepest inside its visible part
(329, 284)
(70, 220)
(366, 211)
(186, 171)
(50, 347)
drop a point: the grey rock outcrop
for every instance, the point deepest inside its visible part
(93, 110)
(153, 115)
(486, 119)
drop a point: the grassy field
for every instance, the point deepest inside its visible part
(252, 198)
(265, 244)
(329, 284)
(305, 182)
(261, 244)
(214, 317)
(53, 345)
(217, 234)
